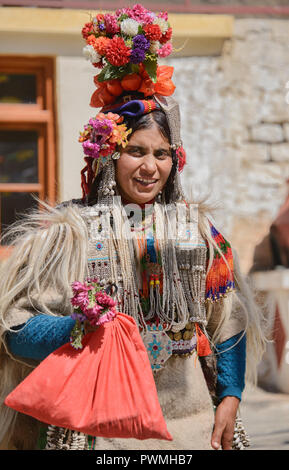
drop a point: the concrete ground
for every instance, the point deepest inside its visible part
(266, 418)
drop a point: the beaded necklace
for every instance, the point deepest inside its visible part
(149, 256)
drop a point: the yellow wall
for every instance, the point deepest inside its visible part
(208, 31)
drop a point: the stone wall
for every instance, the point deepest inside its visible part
(235, 111)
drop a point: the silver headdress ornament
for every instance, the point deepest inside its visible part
(172, 111)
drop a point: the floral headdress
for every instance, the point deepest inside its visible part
(126, 47)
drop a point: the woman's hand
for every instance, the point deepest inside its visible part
(225, 418)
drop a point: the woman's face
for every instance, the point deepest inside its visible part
(144, 165)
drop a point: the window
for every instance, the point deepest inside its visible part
(27, 136)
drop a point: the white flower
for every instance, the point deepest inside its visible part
(90, 54)
(154, 47)
(163, 24)
(129, 27)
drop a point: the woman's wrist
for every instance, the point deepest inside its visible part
(231, 401)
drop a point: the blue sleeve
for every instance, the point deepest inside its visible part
(231, 366)
(39, 336)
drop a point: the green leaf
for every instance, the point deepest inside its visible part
(111, 72)
(107, 73)
(151, 68)
(140, 30)
(76, 336)
(122, 17)
(128, 42)
(134, 68)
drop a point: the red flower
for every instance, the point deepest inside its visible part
(181, 156)
(152, 32)
(116, 52)
(166, 36)
(107, 151)
(99, 64)
(87, 30)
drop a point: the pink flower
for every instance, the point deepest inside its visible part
(111, 24)
(141, 14)
(106, 317)
(123, 11)
(91, 149)
(90, 304)
(164, 15)
(105, 300)
(80, 287)
(80, 299)
(77, 286)
(80, 295)
(93, 314)
(165, 50)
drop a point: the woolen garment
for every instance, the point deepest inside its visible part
(181, 386)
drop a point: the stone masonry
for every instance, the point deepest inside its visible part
(235, 116)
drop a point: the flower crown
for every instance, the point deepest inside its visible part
(126, 47)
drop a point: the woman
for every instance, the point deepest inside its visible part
(135, 229)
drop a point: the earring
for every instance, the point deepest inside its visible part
(159, 196)
(108, 190)
(108, 183)
(115, 156)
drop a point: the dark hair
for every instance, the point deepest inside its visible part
(145, 121)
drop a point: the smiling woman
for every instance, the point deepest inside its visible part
(144, 165)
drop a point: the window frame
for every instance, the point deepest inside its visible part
(41, 117)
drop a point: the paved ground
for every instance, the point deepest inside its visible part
(266, 419)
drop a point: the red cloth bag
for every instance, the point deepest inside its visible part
(106, 389)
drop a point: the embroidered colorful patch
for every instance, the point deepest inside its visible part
(158, 345)
(220, 278)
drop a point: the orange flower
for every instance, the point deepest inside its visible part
(91, 40)
(111, 116)
(101, 97)
(120, 134)
(100, 44)
(163, 86)
(114, 87)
